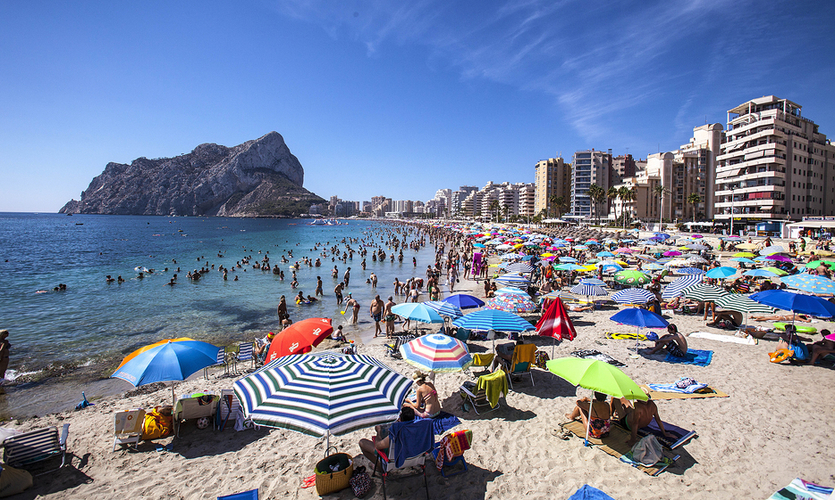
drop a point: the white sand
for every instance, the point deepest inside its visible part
(775, 426)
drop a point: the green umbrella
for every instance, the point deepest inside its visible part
(598, 376)
(742, 303)
(704, 292)
(817, 263)
(631, 277)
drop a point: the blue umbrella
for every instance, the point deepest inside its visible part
(493, 319)
(689, 270)
(168, 362)
(796, 302)
(720, 272)
(661, 236)
(760, 272)
(605, 254)
(568, 259)
(444, 308)
(810, 283)
(589, 290)
(464, 301)
(512, 291)
(675, 288)
(633, 296)
(417, 312)
(642, 318)
(744, 260)
(515, 280)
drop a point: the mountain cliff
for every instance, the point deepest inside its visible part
(258, 177)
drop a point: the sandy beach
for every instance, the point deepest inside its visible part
(774, 426)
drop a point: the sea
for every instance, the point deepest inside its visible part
(65, 341)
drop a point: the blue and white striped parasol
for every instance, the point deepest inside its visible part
(514, 280)
(444, 308)
(633, 296)
(589, 290)
(492, 319)
(675, 288)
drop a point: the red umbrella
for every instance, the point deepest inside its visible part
(556, 323)
(300, 337)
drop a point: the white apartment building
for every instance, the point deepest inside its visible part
(527, 200)
(589, 167)
(774, 164)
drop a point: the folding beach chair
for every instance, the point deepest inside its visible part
(23, 450)
(411, 442)
(245, 353)
(524, 356)
(223, 359)
(228, 409)
(193, 408)
(476, 393)
(483, 361)
(127, 427)
(450, 451)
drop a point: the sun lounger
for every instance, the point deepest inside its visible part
(616, 446)
(707, 392)
(29, 448)
(193, 408)
(127, 427)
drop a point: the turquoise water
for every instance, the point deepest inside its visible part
(95, 322)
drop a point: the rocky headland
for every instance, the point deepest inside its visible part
(257, 178)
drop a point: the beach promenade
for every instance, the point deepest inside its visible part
(774, 426)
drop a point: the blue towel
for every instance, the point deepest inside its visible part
(410, 439)
(672, 388)
(589, 493)
(442, 423)
(693, 357)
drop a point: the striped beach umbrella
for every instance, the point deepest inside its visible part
(520, 267)
(743, 303)
(511, 303)
(592, 281)
(437, 352)
(491, 319)
(509, 290)
(323, 394)
(704, 292)
(464, 301)
(589, 290)
(568, 266)
(633, 296)
(675, 288)
(515, 280)
(417, 312)
(689, 270)
(444, 308)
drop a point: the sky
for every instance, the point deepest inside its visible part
(388, 98)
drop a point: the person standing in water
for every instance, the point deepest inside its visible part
(5, 346)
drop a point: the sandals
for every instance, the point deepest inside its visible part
(563, 434)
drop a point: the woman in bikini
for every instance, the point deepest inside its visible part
(426, 404)
(601, 415)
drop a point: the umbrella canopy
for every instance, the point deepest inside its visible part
(515, 280)
(704, 292)
(509, 290)
(300, 337)
(417, 312)
(760, 273)
(810, 283)
(167, 362)
(556, 323)
(147, 347)
(744, 255)
(464, 301)
(444, 308)
(742, 303)
(720, 272)
(633, 296)
(491, 319)
(795, 302)
(776, 270)
(592, 281)
(323, 394)
(437, 352)
(779, 258)
(570, 266)
(744, 260)
(675, 288)
(589, 290)
(511, 303)
(689, 270)
(817, 263)
(631, 277)
(642, 318)
(771, 250)
(520, 267)
(672, 253)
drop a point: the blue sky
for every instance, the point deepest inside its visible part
(387, 98)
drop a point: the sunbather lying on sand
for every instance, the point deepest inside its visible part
(783, 317)
(821, 347)
(673, 342)
(733, 318)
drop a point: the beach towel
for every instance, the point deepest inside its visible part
(707, 392)
(476, 264)
(692, 357)
(494, 385)
(678, 435)
(412, 438)
(800, 488)
(453, 445)
(749, 340)
(625, 336)
(592, 354)
(589, 493)
(442, 423)
(690, 389)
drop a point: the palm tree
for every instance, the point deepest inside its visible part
(597, 195)
(551, 202)
(504, 212)
(494, 208)
(623, 194)
(694, 199)
(661, 192)
(559, 201)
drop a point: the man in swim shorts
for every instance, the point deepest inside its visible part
(377, 314)
(673, 342)
(634, 416)
(390, 317)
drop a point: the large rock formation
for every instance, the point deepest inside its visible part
(259, 177)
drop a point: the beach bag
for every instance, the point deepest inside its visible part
(360, 482)
(540, 359)
(333, 473)
(647, 451)
(158, 423)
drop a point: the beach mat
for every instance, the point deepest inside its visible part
(800, 488)
(724, 338)
(692, 357)
(625, 336)
(710, 392)
(615, 445)
(593, 354)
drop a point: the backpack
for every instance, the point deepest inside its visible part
(540, 358)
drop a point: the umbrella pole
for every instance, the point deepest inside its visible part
(588, 420)
(173, 398)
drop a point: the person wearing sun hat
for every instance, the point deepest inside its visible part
(262, 346)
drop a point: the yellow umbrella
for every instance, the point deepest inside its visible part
(547, 254)
(148, 347)
(746, 255)
(621, 263)
(587, 268)
(518, 245)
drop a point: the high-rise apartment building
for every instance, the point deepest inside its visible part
(552, 180)
(774, 164)
(623, 166)
(589, 167)
(527, 200)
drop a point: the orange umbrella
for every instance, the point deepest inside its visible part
(300, 337)
(147, 347)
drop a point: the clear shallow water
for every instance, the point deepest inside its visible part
(95, 322)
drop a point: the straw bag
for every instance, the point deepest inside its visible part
(333, 473)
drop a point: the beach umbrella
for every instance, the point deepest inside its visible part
(675, 288)
(817, 263)
(589, 290)
(695, 259)
(744, 260)
(625, 250)
(776, 270)
(810, 283)
(704, 292)
(592, 281)
(491, 319)
(760, 273)
(300, 337)
(646, 258)
(641, 318)
(323, 394)
(464, 301)
(633, 296)
(514, 280)
(672, 253)
(520, 267)
(747, 246)
(772, 250)
(569, 266)
(444, 308)
(147, 347)
(746, 255)
(417, 312)
(168, 362)
(550, 296)
(661, 236)
(795, 302)
(597, 376)
(778, 257)
(690, 270)
(720, 272)
(567, 259)
(511, 303)
(509, 290)
(631, 277)
(605, 254)
(697, 246)
(742, 303)
(437, 352)
(652, 266)
(556, 323)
